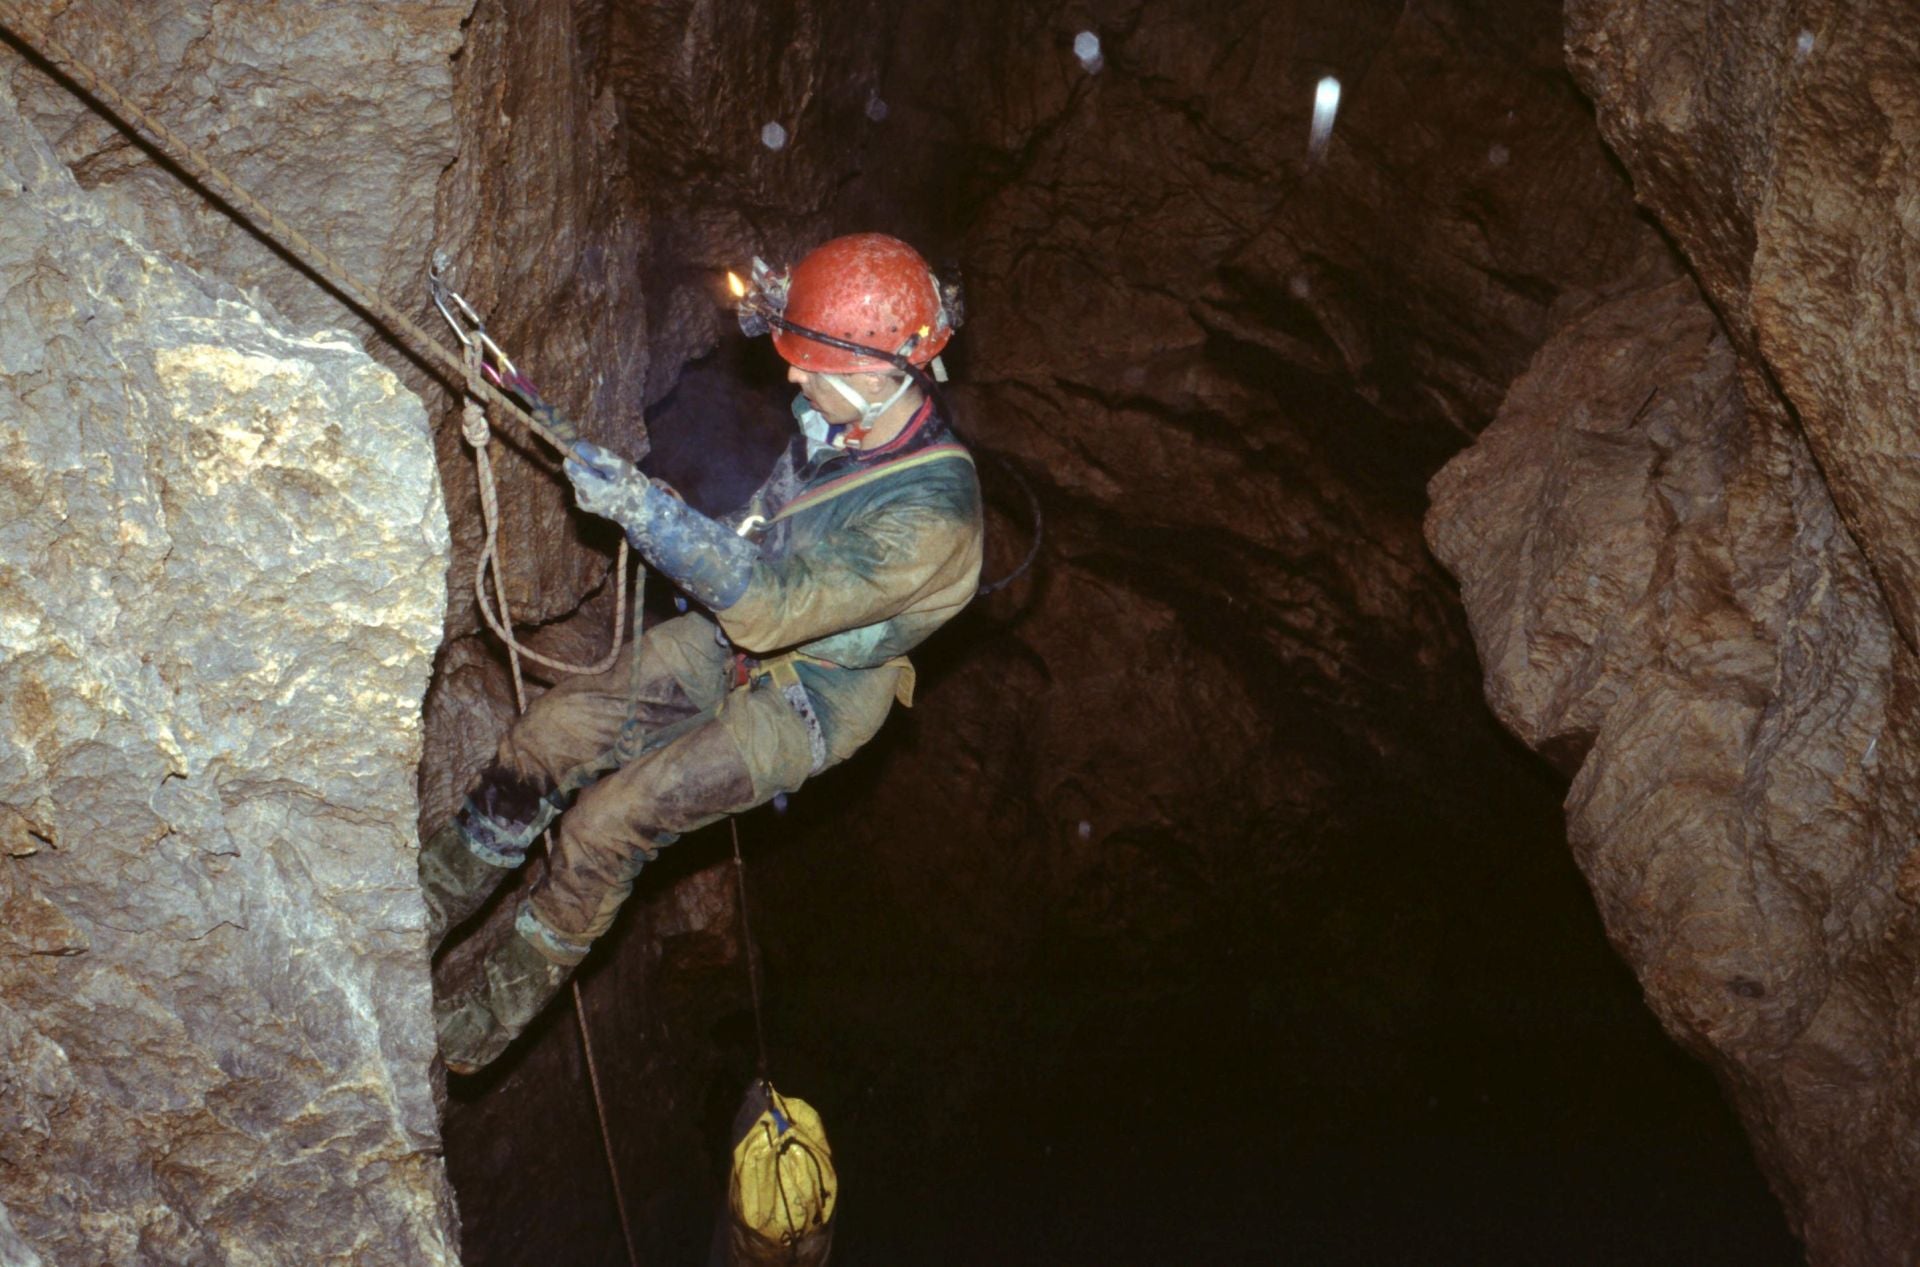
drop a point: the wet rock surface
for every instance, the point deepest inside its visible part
(220, 584)
(1701, 598)
(1776, 142)
(1668, 604)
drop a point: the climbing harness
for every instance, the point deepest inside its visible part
(472, 371)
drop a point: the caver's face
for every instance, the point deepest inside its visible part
(834, 407)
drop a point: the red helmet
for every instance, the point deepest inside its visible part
(866, 288)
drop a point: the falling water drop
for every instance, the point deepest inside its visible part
(1086, 47)
(1326, 104)
(773, 136)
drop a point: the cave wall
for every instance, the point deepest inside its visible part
(1774, 141)
(1668, 603)
(1686, 551)
(219, 582)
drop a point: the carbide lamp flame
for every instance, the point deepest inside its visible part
(734, 284)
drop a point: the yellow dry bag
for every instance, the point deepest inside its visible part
(782, 1191)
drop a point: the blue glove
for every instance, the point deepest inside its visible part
(700, 555)
(604, 483)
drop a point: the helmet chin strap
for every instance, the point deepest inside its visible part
(870, 410)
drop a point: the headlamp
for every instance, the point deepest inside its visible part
(760, 300)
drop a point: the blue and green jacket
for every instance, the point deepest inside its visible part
(850, 559)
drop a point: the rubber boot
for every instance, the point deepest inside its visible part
(509, 985)
(455, 881)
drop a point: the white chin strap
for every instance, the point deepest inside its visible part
(870, 410)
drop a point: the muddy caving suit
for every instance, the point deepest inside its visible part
(849, 561)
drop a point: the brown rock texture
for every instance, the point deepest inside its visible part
(1745, 807)
(1667, 603)
(1776, 142)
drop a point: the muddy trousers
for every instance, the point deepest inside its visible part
(711, 749)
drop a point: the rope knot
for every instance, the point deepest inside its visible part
(473, 424)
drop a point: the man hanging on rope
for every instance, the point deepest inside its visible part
(864, 539)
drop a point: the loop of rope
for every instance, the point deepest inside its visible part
(473, 426)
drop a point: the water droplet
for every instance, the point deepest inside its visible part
(1803, 47)
(773, 136)
(1086, 830)
(779, 802)
(876, 108)
(1086, 47)
(1326, 104)
(1497, 155)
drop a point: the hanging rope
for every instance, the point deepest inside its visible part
(753, 954)
(477, 433)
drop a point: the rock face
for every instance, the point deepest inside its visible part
(221, 588)
(1689, 552)
(340, 118)
(1667, 603)
(1779, 143)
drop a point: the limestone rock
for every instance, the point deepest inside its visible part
(220, 589)
(1666, 602)
(339, 117)
(14, 1252)
(1779, 143)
